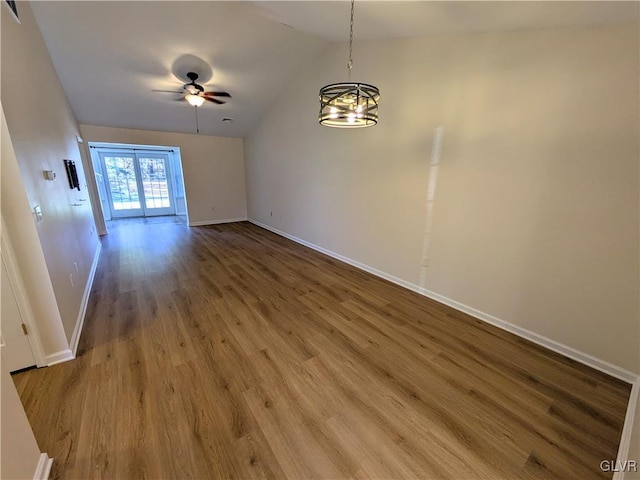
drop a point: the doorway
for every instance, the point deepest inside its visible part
(19, 339)
(138, 181)
(16, 348)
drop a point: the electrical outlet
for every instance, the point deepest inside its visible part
(425, 261)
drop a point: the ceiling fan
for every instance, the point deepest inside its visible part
(195, 94)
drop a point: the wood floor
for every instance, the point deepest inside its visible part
(229, 352)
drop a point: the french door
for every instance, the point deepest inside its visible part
(138, 184)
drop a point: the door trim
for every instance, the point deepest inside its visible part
(22, 299)
(43, 469)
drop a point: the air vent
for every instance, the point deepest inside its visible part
(13, 7)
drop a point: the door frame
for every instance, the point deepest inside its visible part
(175, 180)
(20, 292)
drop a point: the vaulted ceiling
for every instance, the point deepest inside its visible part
(109, 55)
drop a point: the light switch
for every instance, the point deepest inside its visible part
(37, 211)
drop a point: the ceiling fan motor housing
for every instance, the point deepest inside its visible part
(193, 88)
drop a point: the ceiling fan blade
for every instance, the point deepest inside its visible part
(214, 100)
(167, 91)
(218, 94)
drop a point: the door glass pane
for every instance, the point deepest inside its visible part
(155, 182)
(121, 176)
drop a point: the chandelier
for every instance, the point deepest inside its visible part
(349, 104)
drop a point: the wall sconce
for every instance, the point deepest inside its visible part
(49, 174)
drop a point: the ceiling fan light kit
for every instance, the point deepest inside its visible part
(349, 104)
(195, 100)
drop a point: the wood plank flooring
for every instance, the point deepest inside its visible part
(229, 352)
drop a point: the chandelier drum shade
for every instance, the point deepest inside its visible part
(349, 104)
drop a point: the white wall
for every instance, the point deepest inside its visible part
(43, 132)
(178, 183)
(20, 452)
(23, 236)
(213, 169)
(536, 214)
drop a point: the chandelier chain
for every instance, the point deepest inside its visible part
(350, 62)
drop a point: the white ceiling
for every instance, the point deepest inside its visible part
(109, 55)
(396, 19)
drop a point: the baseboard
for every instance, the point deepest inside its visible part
(77, 331)
(44, 467)
(216, 222)
(584, 358)
(627, 430)
(570, 352)
(59, 357)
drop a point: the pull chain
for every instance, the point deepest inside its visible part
(350, 62)
(197, 127)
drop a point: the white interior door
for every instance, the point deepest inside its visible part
(16, 349)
